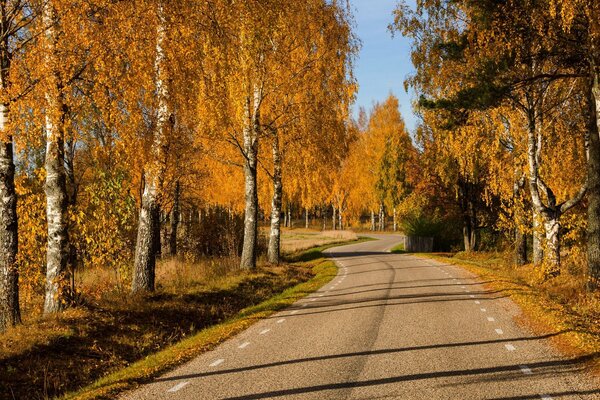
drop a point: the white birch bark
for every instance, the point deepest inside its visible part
(57, 278)
(10, 313)
(154, 171)
(251, 131)
(275, 235)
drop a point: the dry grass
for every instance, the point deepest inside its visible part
(110, 330)
(302, 239)
(559, 306)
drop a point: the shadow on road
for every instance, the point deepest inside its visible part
(364, 354)
(553, 368)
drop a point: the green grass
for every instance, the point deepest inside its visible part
(144, 370)
(398, 249)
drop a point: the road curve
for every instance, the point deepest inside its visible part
(389, 326)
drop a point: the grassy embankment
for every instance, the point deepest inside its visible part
(559, 307)
(113, 342)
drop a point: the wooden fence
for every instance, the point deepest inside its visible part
(418, 244)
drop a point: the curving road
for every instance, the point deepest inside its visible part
(389, 326)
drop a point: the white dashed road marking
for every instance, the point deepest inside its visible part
(177, 387)
(264, 331)
(217, 362)
(525, 369)
(477, 302)
(499, 331)
(244, 345)
(510, 347)
(281, 321)
(483, 310)
(491, 319)
(546, 397)
(294, 312)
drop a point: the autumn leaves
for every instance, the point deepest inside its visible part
(157, 105)
(506, 94)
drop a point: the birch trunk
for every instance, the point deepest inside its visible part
(149, 217)
(340, 219)
(552, 260)
(333, 218)
(307, 221)
(57, 278)
(175, 220)
(10, 314)
(537, 251)
(275, 237)
(395, 221)
(285, 221)
(248, 260)
(593, 226)
(381, 217)
(373, 220)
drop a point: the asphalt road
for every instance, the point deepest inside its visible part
(389, 326)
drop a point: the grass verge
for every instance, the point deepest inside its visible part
(323, 271)
(559, 307)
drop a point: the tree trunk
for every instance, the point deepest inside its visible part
(275, 237)
(373, 220)
(251, 128)
(10, 314)
(57, 277)
(520, 247)
(467, 236)
(175, 220)
(307, 222)
(333, 218)
(381, 217)
(395, 221)
(324, 216)
(537, 251)
(593, 226)
(149, 217)
(285, 221)
(552, 260)
(340, 220)
(290, 220)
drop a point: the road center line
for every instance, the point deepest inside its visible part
(217, 362)
(483, 310)
(264, 331)
(510, 347)
(525, 369)
(491, 319)
(294, 312)
(178, 387)
(472, 296)
(499, 331)
(281, 321)
(244, 345)
(477, 302)
(546, 397)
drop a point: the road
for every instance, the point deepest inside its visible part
(389, 326)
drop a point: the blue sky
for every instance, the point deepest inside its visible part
(383, 63)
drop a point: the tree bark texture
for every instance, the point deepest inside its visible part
(275, 236)
(593, 226)
(154, 174)
(333, 218)
(175, 215)
(57, 274)
(10, 313)
(251, 130)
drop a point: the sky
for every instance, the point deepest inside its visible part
(384, 62)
